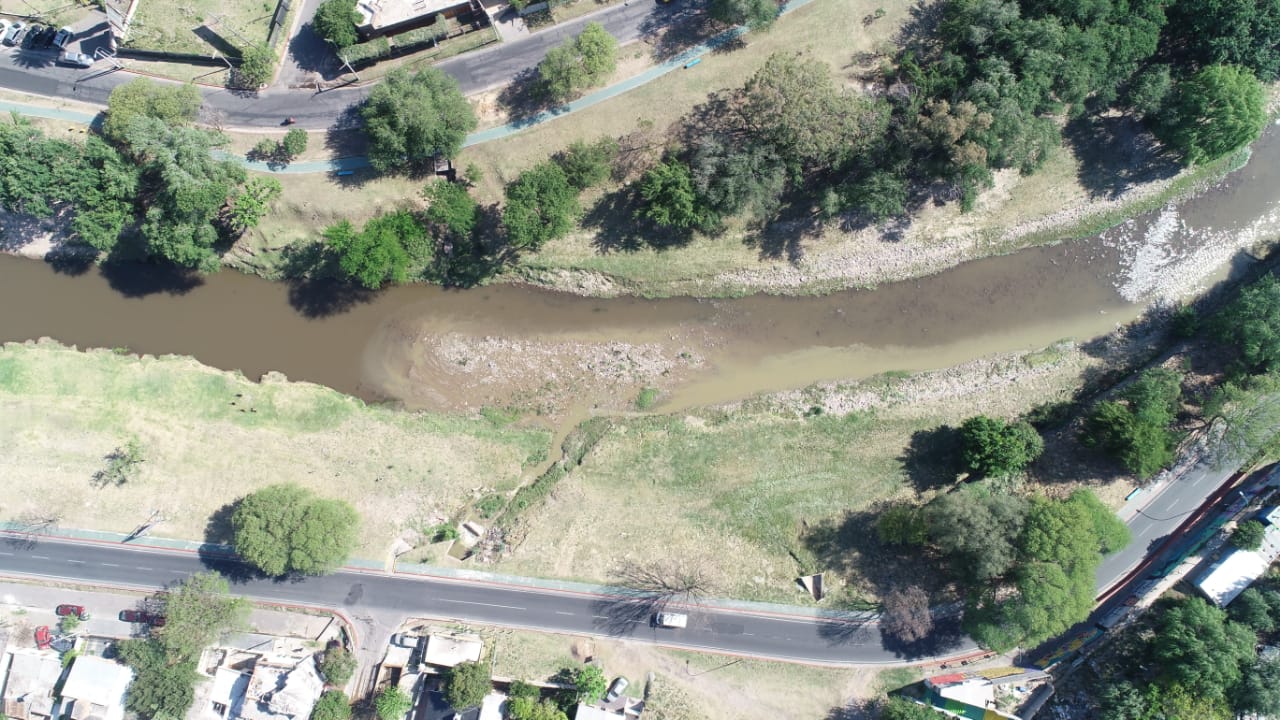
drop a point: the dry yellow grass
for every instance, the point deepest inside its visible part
(209, 437)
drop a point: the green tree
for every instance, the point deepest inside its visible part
(881, 195)
(755, 14)
(990, 446)
(1251, 323)
(561, 73)
(1258, 694)
(250, 205)
(524, 708)
(1217, 111)
(294, 143)
(172, 104)
(1248, 535)
(1136, 429)
(589, 684)
(257, 66)
(732, 177)
(335, 21)
(412, 117)
(467, 684)
(598, 51)
(337, 665)
(587, 60)
(1110, 532)
(197, 612)
(188, 190)
(794, 105)
(105, 191)
(1198, 648)
(541, 206)
(587, 164)
(285, 528)
(903, 525)
(671, 200)
(1149, 90)
(978, 530)
(332, 705)
(161, 689)
(1252, 609)
(1236, 32)
(381, 252)
(451, 208)
(392, 704)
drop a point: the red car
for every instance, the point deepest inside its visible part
(143, 617)
(43, 639)
(77, 610)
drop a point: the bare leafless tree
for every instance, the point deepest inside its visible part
(676, 580)
(906, 614)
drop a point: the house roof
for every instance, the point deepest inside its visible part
(282, 693)
(30, 679)
(591, 712)
(450, 650)
(1235, 571)
(379, 15)
(97, 681)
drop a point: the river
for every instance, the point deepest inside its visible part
(375, 347)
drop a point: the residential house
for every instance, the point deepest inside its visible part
(1237, 569)
(95, 689)
(28, 676)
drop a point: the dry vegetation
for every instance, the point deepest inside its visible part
(209, 437)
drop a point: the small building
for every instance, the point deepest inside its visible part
(277, 692)
(226, 699)
(95, 689)
(449, 650)
(624, 708)
(963, 695)
(28, 677)
(1235, 571)
(388, 17)
(435, 707)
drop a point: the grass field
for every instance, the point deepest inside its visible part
(769, 490)
(208, 437)
(171, 26)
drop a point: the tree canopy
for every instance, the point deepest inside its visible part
(411, 117)
(335, 21)
(1248, 535)
(541, 206)
(466, 685)
(1200, 649)
(587, 60)
(1217, 111)
(161, 689)
(1251, 323)
(392, 703)
(197, 612)
(381, 252)
(1135, 428)
(670, 199)
(174, 105)
(589, 684)
(283, 529)
(337, 666)
(755, 14)
(990, 446)
(332, 705)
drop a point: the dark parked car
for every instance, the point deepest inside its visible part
(46, 37)
(142, 617)
(77, 610)
(32, 38)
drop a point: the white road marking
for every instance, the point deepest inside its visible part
(77, 562)
(561, 612)
(40, 557)
(139, 567)
(469, 602)
(111, 564)
(5, 553)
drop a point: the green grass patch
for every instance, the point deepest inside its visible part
(171, 26)
(647, 398)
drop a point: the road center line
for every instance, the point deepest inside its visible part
(77, 562)
(39, 557)
(111, 564)
(561, 612)
(139, 567)
(469, 602)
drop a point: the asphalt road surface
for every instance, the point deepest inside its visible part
(34, 71)
(357, 593)
(1175, 501)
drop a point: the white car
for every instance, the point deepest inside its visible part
(671, 620)
(75, 59)
(63, 36)
(11, 35)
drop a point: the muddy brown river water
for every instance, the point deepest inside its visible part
(372, 348)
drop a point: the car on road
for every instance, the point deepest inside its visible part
(43, 637)
(13, 35)
(32, 38)
(615, 689)
(46, 37)
(77, 610)
(75, 59)
(63, 37)
(142, 617)
(671, 620)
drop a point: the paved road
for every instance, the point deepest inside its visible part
(1172, 505)
(359, 594)
(34, 71)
